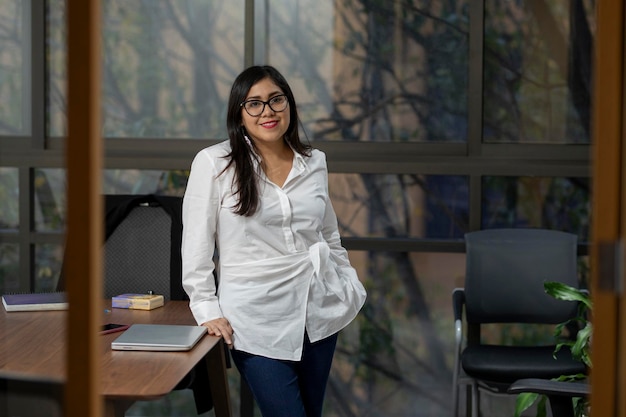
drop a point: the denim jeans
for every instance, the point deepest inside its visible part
(286, 388)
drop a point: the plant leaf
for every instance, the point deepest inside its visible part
(562, 291)
(524, 401)
(570, 378)
(541, 407)
(581, 346)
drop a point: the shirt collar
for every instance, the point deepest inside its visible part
(299, 160)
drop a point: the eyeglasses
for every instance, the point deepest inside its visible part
(257, 107)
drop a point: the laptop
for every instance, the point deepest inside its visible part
(159, 337)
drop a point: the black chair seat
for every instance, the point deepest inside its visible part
(493, 363)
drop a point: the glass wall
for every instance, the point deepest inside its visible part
(540, 202)
(9, 199)
(167, 67)
(396, 359)
(9, 224)
(538, 71)
(389, 72)
(400, 206)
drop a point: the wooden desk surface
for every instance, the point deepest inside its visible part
(33, 343)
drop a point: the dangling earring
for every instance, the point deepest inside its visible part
(247, 139)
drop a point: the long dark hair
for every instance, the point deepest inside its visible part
(246, 187)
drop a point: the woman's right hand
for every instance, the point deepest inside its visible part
(220, 327)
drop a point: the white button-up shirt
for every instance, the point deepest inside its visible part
(281, 270)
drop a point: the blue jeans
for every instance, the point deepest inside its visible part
(286, 388)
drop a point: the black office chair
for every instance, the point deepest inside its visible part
(505, 273)
(25, 396)
(143, 236)
(142, 245)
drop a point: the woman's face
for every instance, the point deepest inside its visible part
(269, 126)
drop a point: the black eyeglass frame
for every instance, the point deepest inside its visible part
(268, 103)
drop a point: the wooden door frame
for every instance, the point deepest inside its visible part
(607, 222)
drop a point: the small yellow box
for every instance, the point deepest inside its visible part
(138, 301)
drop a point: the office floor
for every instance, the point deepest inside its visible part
(176, 404)
(180, 404)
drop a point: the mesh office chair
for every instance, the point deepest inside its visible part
(143, 236)
(505, 272)
(30, 397)
(142, 245)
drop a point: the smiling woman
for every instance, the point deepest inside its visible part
(286, 285)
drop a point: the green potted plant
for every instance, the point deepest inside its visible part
(580, 347)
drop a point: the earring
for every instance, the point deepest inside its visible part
(246, 138)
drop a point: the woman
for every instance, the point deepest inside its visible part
(286, 286)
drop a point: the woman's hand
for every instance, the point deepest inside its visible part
(220, 327)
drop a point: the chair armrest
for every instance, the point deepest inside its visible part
(458, 299)
(549, 387)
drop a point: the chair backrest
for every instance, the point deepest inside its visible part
(506, 270)
(29, 397)
(142, 247)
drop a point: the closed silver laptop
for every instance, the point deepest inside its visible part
(159, 337)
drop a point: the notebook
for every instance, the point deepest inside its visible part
(159, 337)
(35, 301)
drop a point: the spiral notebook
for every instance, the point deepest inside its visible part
(159, 337)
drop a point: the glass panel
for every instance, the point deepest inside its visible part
(537, 76)
(50, 189)
(48, 264)
(14, 67)
(9, 268)
(552, 203)
(392, 206)
(134, 181)
(382, 71)
(397, 357)
(56, 71)
(50, 203)
(167, 68)
(9, 199)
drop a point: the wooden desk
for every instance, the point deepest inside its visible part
(33, 344)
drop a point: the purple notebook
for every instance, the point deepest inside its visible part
(35, 301)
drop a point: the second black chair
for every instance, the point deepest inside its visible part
(505, 273)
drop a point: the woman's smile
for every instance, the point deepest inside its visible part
(269, 125)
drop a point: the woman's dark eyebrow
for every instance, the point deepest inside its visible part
(272, 94)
